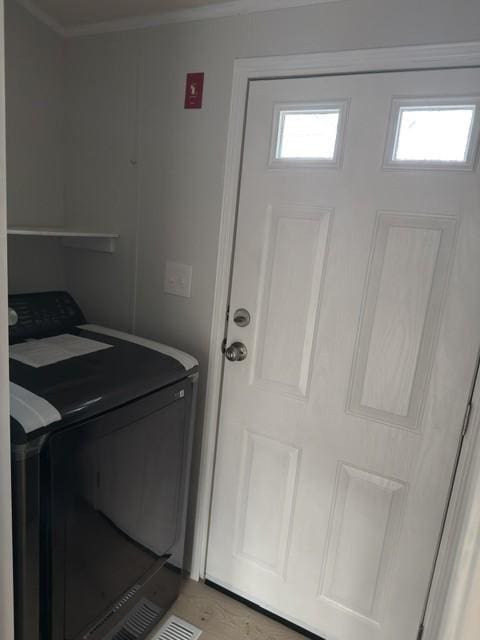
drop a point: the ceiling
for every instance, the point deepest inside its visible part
(76, 13)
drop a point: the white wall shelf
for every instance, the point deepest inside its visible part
(89, 240)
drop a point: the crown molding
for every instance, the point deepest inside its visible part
(205, 12)
(43, 17)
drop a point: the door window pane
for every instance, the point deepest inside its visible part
(434, 134)
(308, 135)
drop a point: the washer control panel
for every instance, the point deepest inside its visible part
(39, 315)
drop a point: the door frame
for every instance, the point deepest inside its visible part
(407, 58)
(6, 575)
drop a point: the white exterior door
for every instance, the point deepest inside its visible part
(358, 257)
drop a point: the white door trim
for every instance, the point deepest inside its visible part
(452, 600)
(245, 70)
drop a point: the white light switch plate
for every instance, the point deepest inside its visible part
(178, 279)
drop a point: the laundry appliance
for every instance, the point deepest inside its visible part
(101, 429)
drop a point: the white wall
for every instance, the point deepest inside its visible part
(6, 587)
(102, 177)
(35, 147)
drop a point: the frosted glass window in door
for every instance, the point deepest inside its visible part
(308, 135)
(434, 134)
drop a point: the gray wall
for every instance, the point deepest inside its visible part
(34, 59)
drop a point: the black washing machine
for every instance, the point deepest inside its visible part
(101, 427)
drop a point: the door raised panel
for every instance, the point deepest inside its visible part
(402, 308)
(294, 256)
(266, 501)
(365, 520)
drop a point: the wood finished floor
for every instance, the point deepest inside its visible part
(223, 618)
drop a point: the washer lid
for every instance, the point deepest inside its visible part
(82, 386)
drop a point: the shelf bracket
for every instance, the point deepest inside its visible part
(101, 245)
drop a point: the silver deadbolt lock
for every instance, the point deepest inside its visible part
(236, 352)
(241, 317)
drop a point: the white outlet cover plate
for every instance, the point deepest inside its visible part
(178, 279)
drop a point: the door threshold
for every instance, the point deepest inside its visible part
(265, 612)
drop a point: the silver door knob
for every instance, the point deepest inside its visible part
(236, 352)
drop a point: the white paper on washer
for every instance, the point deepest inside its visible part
(41, 353)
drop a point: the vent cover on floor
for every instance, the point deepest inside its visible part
(123, 600)
(141, 619)
(177, 629)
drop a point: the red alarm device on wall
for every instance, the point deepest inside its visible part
(194, 91)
